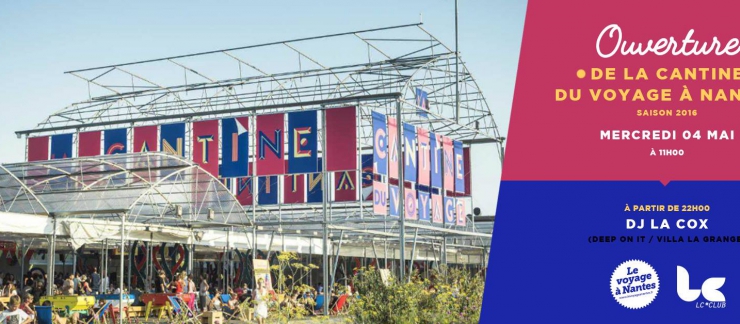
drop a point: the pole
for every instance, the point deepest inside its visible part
(50, 260)
(457, 72)
(413, 251)
(150, 264)
(254, 201)
(120, 273)
(377, 262)
(325, 223)
(74, 260)
(358, 182)
(226, 261)
(385, 254)
(336, 259)
(23, 259)
(444, 251)
(401, 190)
(130, 261)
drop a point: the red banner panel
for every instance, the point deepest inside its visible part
(341, 139)
(294, 188)
(89, 144)
(424, 161)
(244, 189)
(468, 171)
(205, 145)
(392, 148)
(345, 186)
(270, 144)
(38, 148)
(448, 165)
(145, 139)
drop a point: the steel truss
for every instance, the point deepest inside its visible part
(374, 70)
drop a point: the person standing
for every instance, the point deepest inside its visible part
(76, 283)
(95, 277)
(84, 286)
(68, 288)
(159, 284)
(260, 295)
(9, 288)
(193, 291)
(203, 292)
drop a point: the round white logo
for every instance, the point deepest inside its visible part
(634, 284)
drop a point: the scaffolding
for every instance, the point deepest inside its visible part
(373, 70)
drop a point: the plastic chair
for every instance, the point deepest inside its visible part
(100, 314)
(340, 304)
(43, 314)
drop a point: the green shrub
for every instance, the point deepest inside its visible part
(449, 296)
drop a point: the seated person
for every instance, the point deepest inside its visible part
(27, 306)
(215, 303)
(232, 307)
(14, 314)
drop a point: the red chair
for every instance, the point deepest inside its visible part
(340, 304)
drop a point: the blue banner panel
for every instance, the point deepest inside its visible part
(114, 141)
(234, 147)
(367, 177)
(173, 139)
(422, 101)
(61, 146)
(380, 144)
(394, 200)
(410, 148)
(459, 167)
(450, 211)
(436, 159)
(268, 190)
(315, 186)
(424, 206)
(621, 232)
(302, 142)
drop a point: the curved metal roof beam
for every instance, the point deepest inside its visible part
(28, 190)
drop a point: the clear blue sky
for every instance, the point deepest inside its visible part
(39, 41)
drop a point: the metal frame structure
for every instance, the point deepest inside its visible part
(373, 70)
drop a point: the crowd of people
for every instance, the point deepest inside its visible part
(205, 295)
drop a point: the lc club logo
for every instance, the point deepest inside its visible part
(710, 290)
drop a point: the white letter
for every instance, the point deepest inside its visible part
(611, 28)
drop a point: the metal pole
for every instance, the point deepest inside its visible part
(269, 247)
(227, 261)
(130, 261)
(254, 197)
(74, 260)
(120, 273)
(413, 251)
(444, 251)
(385, 252)
(325, 223)
(336, 259)
(23, 265)
(50, 260)
(358, 182)
(310, 260)
(457, 72)
(401, 190)
(377, 262)
(150, 263)
(191, 254)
